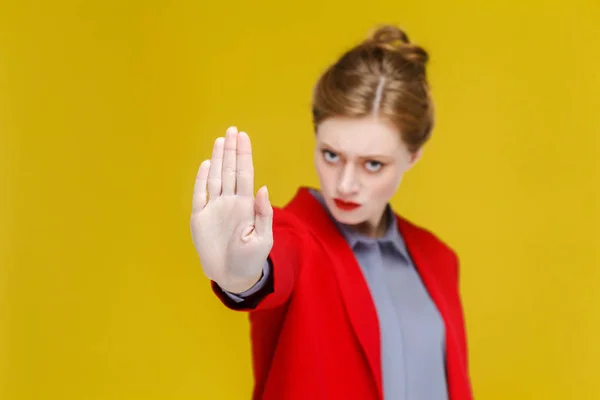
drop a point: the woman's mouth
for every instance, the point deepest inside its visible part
(345, 205)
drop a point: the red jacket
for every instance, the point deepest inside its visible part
(315, 331)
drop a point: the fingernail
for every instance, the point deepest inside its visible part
(267, 192)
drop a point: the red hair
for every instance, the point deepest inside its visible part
(384, 76)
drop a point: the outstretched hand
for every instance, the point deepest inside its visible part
(231, 229)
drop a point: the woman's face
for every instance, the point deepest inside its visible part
(360, 163)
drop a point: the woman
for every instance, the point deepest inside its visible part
(347, 300)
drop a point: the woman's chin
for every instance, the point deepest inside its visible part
(347, 218)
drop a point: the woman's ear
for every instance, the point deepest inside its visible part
(414, 157)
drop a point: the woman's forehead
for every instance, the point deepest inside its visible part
(359, 137)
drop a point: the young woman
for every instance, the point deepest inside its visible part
(347, 300)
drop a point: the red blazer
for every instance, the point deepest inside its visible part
(315, 331)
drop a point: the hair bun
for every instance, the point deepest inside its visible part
(389, 36)
(392, 38)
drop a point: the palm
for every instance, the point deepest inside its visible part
(232, 231)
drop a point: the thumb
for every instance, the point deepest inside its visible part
(263, 219)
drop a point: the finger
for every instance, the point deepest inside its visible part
(245, 167)
(199, 197)
(229, 161)
(214, 174)
(263, 221)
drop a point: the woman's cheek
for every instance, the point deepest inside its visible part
(388, 185)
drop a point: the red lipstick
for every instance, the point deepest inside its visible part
(345, 205)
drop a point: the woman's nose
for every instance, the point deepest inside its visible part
(347, 183)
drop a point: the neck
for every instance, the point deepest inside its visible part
(374, 229)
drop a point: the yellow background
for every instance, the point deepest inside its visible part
(108, 107)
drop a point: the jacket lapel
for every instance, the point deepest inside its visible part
(458, 387)
(355, 293)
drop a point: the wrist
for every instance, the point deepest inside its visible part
(240, 286)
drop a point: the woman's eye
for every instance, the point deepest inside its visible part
(373, 166)
(330, 156)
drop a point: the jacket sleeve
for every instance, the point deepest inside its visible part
(291, 249)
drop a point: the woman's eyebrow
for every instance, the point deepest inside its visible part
(361, 156)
